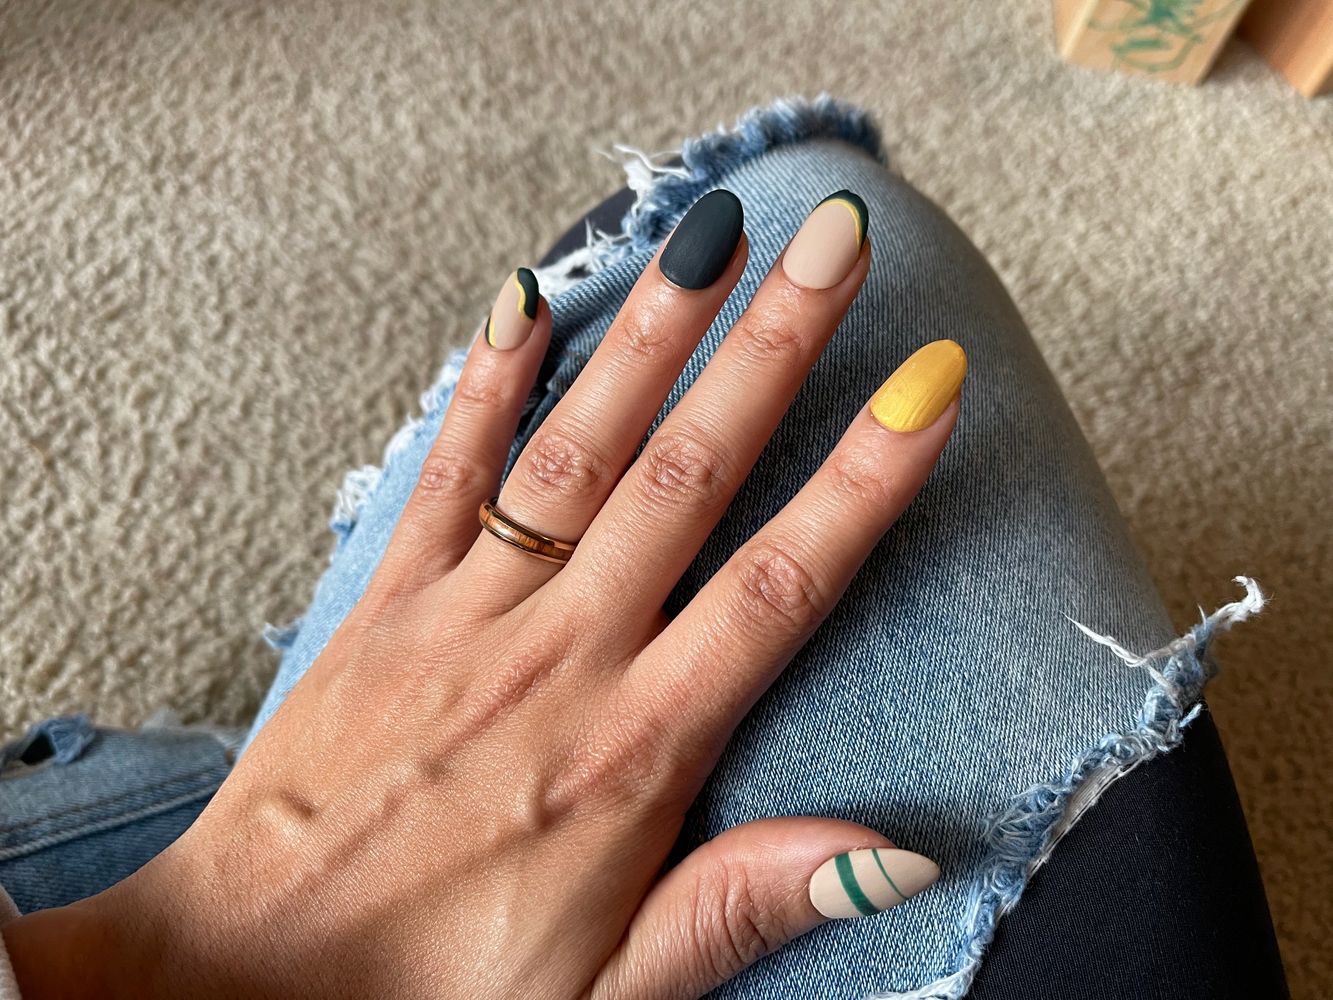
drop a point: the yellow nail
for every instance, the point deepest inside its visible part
(922, 388)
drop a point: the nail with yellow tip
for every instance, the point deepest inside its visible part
(922, 388)
(515, 311)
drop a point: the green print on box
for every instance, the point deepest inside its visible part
(1157, 36)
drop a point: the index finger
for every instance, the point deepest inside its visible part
(714, 660)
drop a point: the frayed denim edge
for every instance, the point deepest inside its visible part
(663, 192)
(67, 737)
(663, 195)
(1024, 833)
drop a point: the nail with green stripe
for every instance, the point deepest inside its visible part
(829, 242)
(515, 311)
(863, 883)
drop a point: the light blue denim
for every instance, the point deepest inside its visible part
(949, 701)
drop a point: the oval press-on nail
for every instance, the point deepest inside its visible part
(826, 246)
(515, 311)
(914, 396)
(704, 241)
(866, 882)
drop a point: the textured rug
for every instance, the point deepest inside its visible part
(237, 238)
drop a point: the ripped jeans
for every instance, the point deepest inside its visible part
(949, 701)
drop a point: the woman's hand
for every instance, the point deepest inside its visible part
(472, 791)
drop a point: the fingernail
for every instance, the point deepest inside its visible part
(515, 311)
(703, 242)
(826, 246)
(863, 883)
(922, 388)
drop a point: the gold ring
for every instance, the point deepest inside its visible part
(534, 543)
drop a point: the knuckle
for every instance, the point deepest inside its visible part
(444, 474)
(680, 470)
(513, 677)
(770, 340)
(642, 336)
(620, 765)
(777, 591)
(861, 478)
(633, 756)
(738, 923)
(566, 465)
(480, 392)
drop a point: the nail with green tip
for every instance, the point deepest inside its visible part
(515, 311)
(863, 883)
(828, 244)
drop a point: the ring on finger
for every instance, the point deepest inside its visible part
(520, 536)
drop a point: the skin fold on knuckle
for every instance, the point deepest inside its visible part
(859, 476)
(776, 592)
(683, 474)
(446, 474)
(644, 334)
(556, 460)
(482, 391)
(736, 922)
(772, 339)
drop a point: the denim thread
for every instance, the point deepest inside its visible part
(68, 736)
(665, 192)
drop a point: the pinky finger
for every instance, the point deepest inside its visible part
(463, 468)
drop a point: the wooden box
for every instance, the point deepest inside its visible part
(1173, 40)
(1296, 37)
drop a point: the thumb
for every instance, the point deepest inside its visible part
(748, 892)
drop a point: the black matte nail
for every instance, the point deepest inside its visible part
(704, 241)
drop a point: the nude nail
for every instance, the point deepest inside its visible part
(515, 311)
(826, 246)
(863, 883)
(924, 385)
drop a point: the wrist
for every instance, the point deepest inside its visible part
(67, 953)
(126, 942)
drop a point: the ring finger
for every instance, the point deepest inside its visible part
(573, 461)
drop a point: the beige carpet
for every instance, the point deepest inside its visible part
(237, 237)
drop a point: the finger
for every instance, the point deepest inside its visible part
(463, 468)
(687, 474)
(722, 651)
(748, 892)
(571, 463)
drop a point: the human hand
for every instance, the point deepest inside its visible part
(472, 791)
